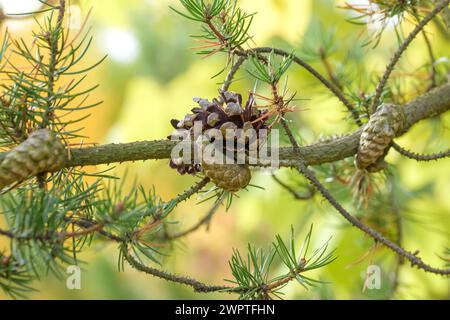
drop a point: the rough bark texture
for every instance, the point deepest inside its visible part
(423, 107)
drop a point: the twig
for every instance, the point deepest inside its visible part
(52, 64)
(428, 105)
(234, 69)
(206, 288)
(433, 72)
(245, 54)
(204, 221)
(8, 234)
(196, 188)
(89, 227)
(412, 258)
(335, 90)
(90, 224)
(52, 76)
(158, 217)
(399, 234)
(329, 69)
(398, 54)
(297, 195)
(421, 157)
(196, 285)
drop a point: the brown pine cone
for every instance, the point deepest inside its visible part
(226, 112)
(378, 134)
(230, 177)
(41, 152)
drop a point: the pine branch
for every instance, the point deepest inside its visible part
(378, 237)
(196, 188)
(92, 225)
(330, 86)
(204, 221)
(195, 284)
(421, 157)
(398, 54)
(53, 41)
(252, 277)
(297, 195)
(428, 105)
(56, 236)
(233, 70)
(72, 209)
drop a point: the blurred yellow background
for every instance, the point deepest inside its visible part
(151, 76)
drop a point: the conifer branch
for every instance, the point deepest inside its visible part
(423, 107)
(330, 86)
(195, 284)
(196, 188)
(204, 221)
(41, 222)
(252, 276)
(297, 195)
(420, 157)
(378, 237)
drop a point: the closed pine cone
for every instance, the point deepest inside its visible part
(41, 152)
(230, 177)
(378, 134)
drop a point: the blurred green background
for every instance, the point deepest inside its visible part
(150, 77)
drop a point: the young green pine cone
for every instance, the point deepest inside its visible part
(230, 177)
(378, 134)
(41, 152)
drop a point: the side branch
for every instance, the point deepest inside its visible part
(195, 284)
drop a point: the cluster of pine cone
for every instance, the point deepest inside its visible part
(225, 113)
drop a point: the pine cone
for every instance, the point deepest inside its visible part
(226, 112)
(41, 152)
(378, 134)
(230, 177)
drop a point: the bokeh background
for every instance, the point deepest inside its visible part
(150, 77)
